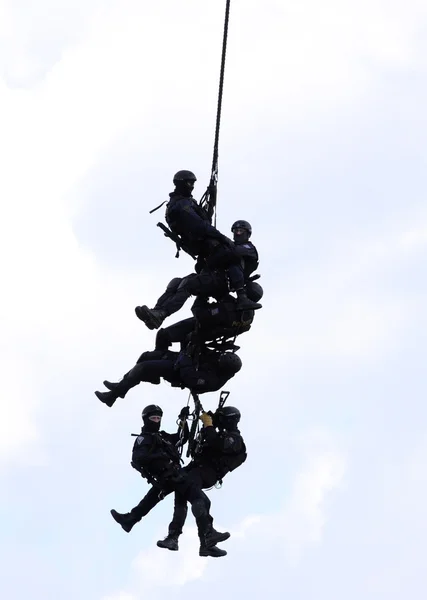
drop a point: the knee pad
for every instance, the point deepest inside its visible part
(190, 284)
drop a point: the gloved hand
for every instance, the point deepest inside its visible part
(184, 414)
(206, 419)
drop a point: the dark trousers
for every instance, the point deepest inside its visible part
(188, 490)
(226, 258)
(151, 366)
(174, 333)
(209, 284)
(204, 477)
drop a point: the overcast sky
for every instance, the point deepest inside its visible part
(323, 150)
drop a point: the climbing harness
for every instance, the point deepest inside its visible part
(194, 429)
(195, 433)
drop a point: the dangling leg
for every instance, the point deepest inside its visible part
(151, 317)
(150, 500)
(149, 371)
(154, 317)
(176, 525)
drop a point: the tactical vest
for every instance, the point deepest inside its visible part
(157, 444)
(222, 462)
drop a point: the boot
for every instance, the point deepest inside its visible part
(153, 318)
(213, 551)
(126, 520)
(220, 537)
(243, 302)
(213, 537)
(170, 542)
(110, 385)
(107, 398)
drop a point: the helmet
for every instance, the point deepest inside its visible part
(247, 231)
(227, 417)
(184, 176)
(229, 363)
(242, 225)
(152, 410)
(254, 291)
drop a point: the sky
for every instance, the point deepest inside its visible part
(322, 150)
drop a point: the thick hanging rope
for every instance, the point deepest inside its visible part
(208, 200)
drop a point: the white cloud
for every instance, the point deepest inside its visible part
(181, 567)
(301, 522)
(121, 596)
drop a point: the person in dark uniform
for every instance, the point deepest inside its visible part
(220, 450)
(211, 320)
(155, 456)
(208, 372)
(186, 218)
(226, 266)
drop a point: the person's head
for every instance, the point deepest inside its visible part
(184, 182)
(242, 231)
(229, 364)
(254, 291)
(227, 418)
(152, 417)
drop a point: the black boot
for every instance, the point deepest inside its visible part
(213, 537)
(107, 398)
(126, 520)
(220, 537)
(111, 385)
(243, 302)
(213, 551)
(170, 542)
(153, 318)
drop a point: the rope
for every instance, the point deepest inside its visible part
(209, 198)
(221, 89)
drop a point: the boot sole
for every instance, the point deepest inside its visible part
(206, 554)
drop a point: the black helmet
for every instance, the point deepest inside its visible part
(229, 363)
(254, 291)
(247, 231)
(184, 176)
(152, 410)
(242, 225)
(227, 417)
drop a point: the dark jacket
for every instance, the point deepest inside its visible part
(223, 451)
(243, 254)
(189, 220)
(156, 454)
(249, 255)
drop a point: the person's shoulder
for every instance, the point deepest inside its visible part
(144, 439)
